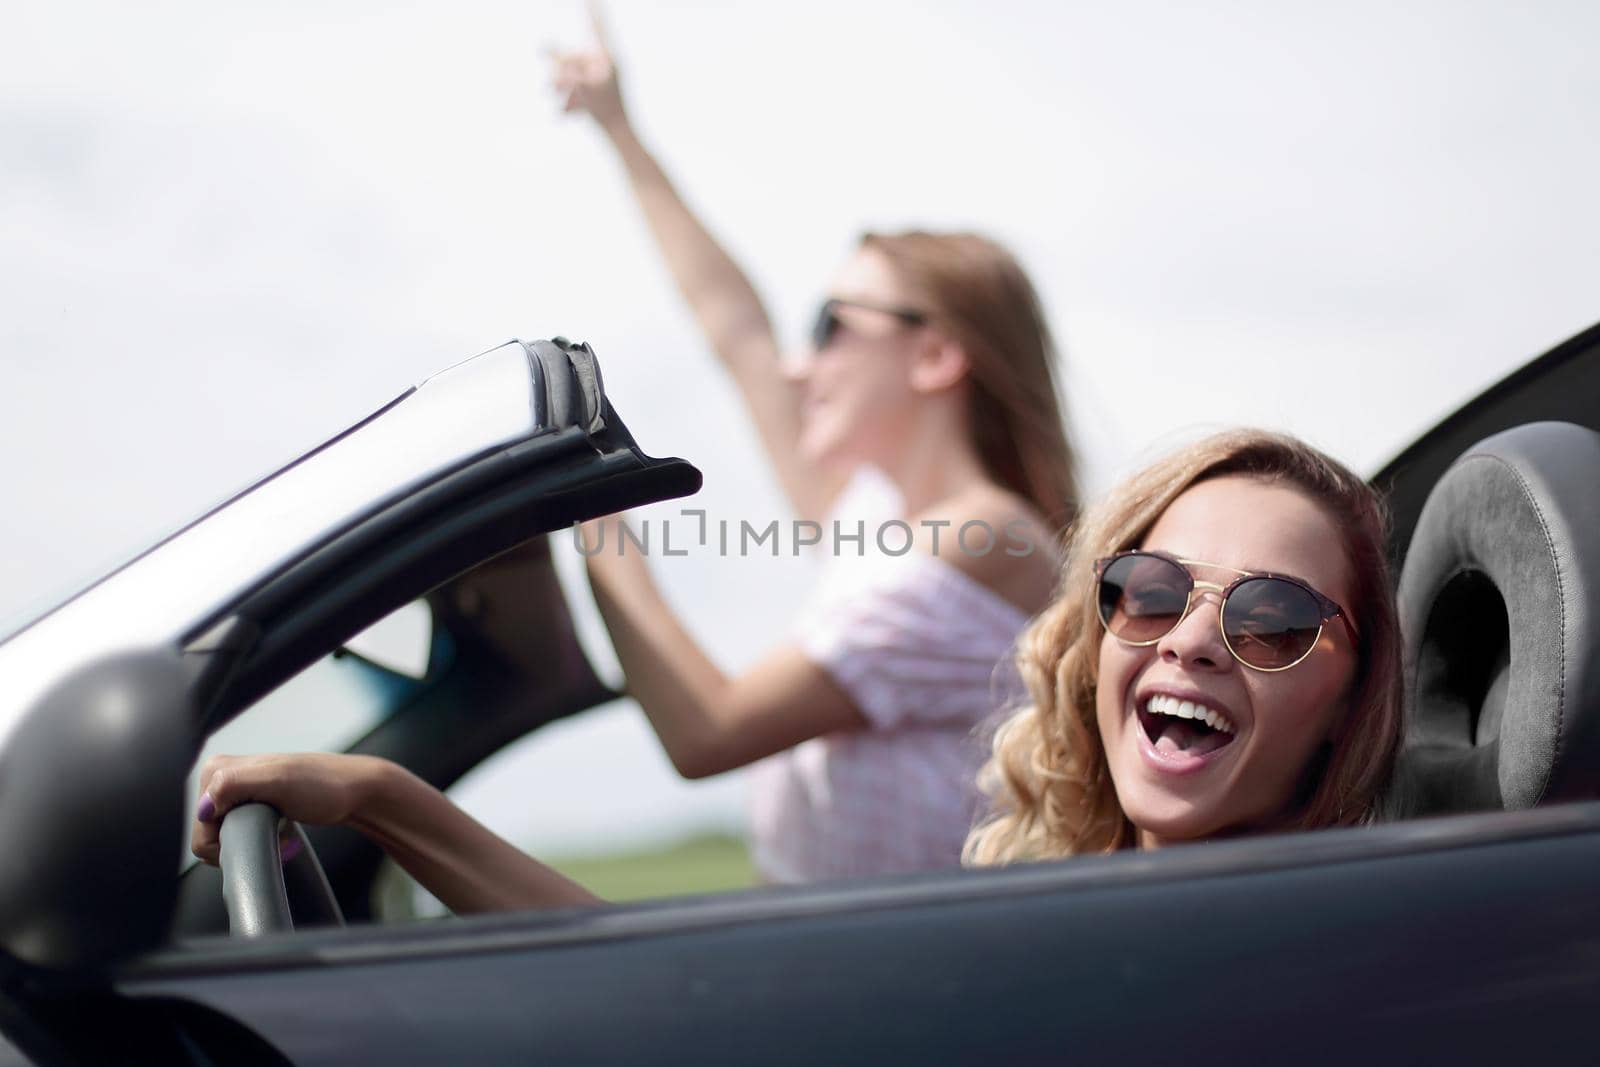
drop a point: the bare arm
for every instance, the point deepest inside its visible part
(456, 858)
(718, 292)
(707, 721)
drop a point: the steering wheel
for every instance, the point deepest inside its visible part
(257, 883)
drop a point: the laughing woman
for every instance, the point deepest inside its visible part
(1224, 659)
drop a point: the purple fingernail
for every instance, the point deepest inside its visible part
(208, 808)
(289, 849)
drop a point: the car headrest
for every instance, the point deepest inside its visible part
(1500, 611)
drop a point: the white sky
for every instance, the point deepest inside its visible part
(231, 230)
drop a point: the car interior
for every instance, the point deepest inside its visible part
(1499, 596)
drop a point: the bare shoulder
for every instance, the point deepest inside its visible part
(996, 537)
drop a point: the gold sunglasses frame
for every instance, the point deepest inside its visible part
(1329, 607)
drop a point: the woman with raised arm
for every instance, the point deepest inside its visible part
(930, 361)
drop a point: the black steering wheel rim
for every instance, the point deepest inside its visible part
(257, 883)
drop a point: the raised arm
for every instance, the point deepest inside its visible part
(723, 301)
(452, 855)
(707, 721)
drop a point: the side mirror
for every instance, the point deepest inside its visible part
(92, 786)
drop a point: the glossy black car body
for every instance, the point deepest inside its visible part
(1471, 938)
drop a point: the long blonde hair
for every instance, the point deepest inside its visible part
(1048, 780)
(980, 296)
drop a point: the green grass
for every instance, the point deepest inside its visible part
(703, 864)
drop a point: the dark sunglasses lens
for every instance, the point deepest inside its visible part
(825, 326)
(1143, 597)
(1270, 623)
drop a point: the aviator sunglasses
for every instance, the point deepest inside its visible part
(1270, 622)
(826, 325)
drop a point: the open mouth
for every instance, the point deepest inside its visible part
(1184, 727)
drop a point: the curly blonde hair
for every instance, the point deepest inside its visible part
(1048, 779)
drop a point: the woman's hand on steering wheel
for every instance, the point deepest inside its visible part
(313, 788)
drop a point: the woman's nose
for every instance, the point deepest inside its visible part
(796, 366)
(1197, 639)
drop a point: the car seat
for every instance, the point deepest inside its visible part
(1500, 614)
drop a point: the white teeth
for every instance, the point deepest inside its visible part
(1162, 704)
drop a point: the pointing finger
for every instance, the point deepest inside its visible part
(597, 22)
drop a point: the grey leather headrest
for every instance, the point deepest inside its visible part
(1500, 612)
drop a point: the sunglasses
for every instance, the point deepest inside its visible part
(827, 323)
(1270, 622)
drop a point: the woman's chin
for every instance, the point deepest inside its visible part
(1172, 823)
(827, 452)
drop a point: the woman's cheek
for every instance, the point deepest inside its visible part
(1115, 673)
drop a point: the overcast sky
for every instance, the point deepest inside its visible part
(232, 230)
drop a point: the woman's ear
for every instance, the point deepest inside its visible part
(940, 364)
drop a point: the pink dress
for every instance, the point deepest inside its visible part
(923, 649)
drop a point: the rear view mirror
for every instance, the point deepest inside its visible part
(400, 641)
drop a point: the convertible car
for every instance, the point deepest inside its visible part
(1463, 928)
